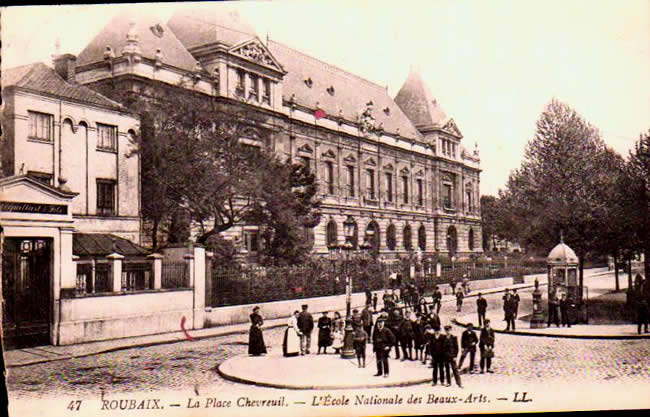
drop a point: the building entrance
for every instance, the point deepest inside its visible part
(26, 281)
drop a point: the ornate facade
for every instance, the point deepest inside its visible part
(396, 166)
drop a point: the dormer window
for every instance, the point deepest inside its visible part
(309, 83)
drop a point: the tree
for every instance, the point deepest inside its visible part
(559, 185)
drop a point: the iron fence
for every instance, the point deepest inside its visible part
(174, 275)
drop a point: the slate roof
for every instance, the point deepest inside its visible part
(114, 35)
(197, 27)
(43, 79)
(103, 244)
(415, 99)
(351, 92)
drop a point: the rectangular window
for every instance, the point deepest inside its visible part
(254, 91)
(266, 97)
(389, 186)
(329, 166)
(420, 192)
(239, 88)
(446, 195)
(370, 183)
(42, 177)
(106, 137)
(40, 126)
(405, 188)
(251, 240)
(105, 197)
(305, 161)
(469, 201)
(351, 181)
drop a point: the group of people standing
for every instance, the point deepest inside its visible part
(510, 308)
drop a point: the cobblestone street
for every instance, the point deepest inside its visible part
(192, 365)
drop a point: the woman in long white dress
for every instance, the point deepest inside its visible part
(291, 342)
(337, 332)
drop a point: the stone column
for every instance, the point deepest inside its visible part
(68, 267)
(156, 260)
(198, 286)
(116, 269)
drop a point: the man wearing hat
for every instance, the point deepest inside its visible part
(305, 325)
(394, 323)
(486, 344)
(481, 308)
(437, 348)
(382, 340)
(468, 342)
(450, 346)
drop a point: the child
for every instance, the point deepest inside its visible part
(360, 338)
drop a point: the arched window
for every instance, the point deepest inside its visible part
(332, 233)
(372, 234)
(452, 241)
(422, 238)
(470, 242)
(391, 240)
(408, 244)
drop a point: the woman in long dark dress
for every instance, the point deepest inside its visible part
(324, 332)
(256, 344)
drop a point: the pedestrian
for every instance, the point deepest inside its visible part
(640, 301)
(421, 307)
(382, 340)
(515, 302)
(394, 323)
(564, 310)
(306, 326)
(428, 333)
(291, 342)
(406, 338)
(374, 301)
(468, 342)
(356, 319)
(481, 308)
(466, 284)
(434, 320)
(359, 340)
(459, 299)
(552, 310)
(368, 296)
(437, 346)
(337, 332)
(486, 345)
(437, 299)
(256, 346)
(451, 353)
(509, 308)
(452, 284)
(506, 304)
(324, 332)
(366, 320)
(418, 337)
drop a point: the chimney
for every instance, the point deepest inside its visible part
(65, 66)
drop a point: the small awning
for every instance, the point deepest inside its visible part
(103, 244)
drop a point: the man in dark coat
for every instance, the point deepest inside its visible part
(437, 299)
(434, 320)
(481, 308)
(450, 345)
(553, 305)
(324, 332)
(468, 342)
(437, 349)
(366, 320)
(394, 323)
(509, 309)
(486, 344)
(305, 325)
(515, 302)
(564, 310)
(506, 303)
(459, 299)
(406, 338)
(382, 340)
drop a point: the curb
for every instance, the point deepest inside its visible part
(565, 336)
(319, 387)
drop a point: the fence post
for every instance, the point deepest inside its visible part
(156, 259)
(116, 269)
(198, 269)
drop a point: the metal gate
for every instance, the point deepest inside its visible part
(26, 281)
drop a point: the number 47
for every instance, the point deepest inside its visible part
(74, 405)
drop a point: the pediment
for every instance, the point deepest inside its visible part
(350, 158)
(404, 171)
(388, 167)
(371, 162)
(420, 173)
(329, 154)
(306, 149)
(22, 195)
(254, 50)
(451, 128)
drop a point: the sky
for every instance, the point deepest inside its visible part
(492, 65)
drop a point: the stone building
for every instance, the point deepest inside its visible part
(396, 166)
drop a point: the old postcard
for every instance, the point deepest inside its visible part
(325, 208)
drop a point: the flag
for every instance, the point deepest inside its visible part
(319, 114)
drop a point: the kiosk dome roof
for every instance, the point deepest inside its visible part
(562, 253)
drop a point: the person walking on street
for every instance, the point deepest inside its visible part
(515, 302)
(468, 342)
(382, 340)
(459, 299)
(368, 296)
(394, 323)
(437, 346)
(451, 354)
(291, 341)
(486, 345)
(324, 332)
(481, 308)
(564, 310)
(552, 310)
(366, 320)
(256, 346)
(466, 284)
(374, 301)
(506, 304)
(434, 320)
(406, 338)
(306, 325)
(509, 308)
(437, 299)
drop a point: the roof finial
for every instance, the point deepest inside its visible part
(561, 236)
